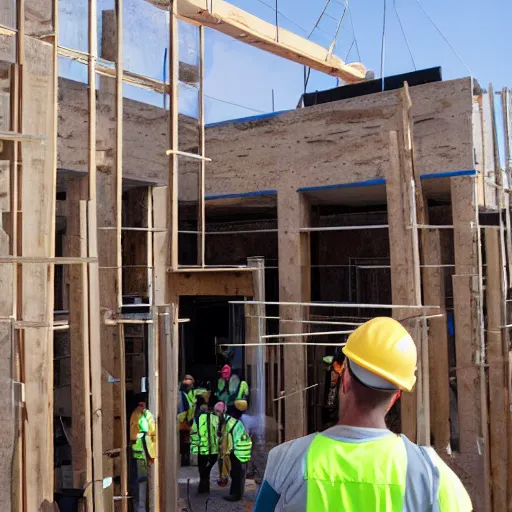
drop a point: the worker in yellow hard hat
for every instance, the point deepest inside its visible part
(359, 465)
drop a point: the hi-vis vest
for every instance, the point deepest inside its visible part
(239, 441)
(204, 438)
(143, 431)
(186, 407)
(236, 390)
(390, 474)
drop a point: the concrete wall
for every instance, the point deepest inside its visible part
(334, 143)
(341, 142)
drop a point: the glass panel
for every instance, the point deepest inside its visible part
(145, 38)
(73, 24)
(107, 29)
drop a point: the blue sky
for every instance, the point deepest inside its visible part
(240, 74)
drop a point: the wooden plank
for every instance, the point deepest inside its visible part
(119, 159)
(404, 260)
(234, 22)
(255, 327)
(82, 409)
(76, 244)
(108, 190)
(418, 213)
(434, 293)
(172, 183)
(8, 477)
(37, 182)
(124, 419)
(154, 403)
(160, 245)
(293, 212)
(169, 446)
(471, 396)
(97, 377)
(213, 283)
(201, 224)
(498, 388)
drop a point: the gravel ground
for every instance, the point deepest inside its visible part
(190, 501)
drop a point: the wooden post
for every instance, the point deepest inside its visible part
(76, 244)
(154, 395)
(405, 279)
(294, 286)
(173, 136)
(168, 428)
(37, 224)
(498, 363)
(95, 361)
(472, 395)
(201, 225)
(124, 419)
(434, 293)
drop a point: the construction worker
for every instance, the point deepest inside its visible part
(143, 441)
(359, 465)
(186, 405)
(235, 447)
(204, 443)
(233, 391)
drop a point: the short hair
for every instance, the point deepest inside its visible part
(369, 398)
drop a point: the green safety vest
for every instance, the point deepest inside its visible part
(144, 435)
(240, 441)
(236, 390)
(203, 437)
(188, 401)
(391, 474)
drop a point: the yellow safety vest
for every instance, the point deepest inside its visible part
(143, 427)
(390, 474)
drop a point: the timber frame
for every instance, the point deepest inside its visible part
(406, 151)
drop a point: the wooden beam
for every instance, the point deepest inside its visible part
(168, 431)
(124, 419)
(160, 245)
(416, 213)
(154, 403)
(212, 283)
(173, 188)
(95, 361)
(108, 176)
(239, 24)
(471, 375)
(201, 221)
(404, 260)
(293, 212)
(255, 327)
(434, 293)
(498, 362)
(76, 244)
(37, 181)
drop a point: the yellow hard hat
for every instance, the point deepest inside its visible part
(382, 350)
(241, 405)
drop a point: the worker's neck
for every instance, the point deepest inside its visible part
(354, 417)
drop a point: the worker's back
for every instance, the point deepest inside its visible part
(353, 469)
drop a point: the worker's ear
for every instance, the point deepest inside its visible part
(346, 382)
